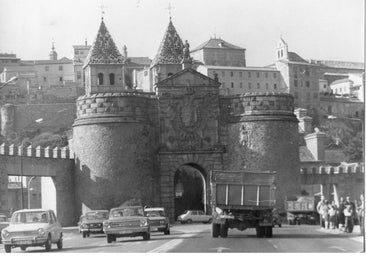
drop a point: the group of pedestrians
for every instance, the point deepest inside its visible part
(341, 215)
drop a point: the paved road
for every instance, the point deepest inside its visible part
(197, 238)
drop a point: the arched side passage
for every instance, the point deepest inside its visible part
(171, 162)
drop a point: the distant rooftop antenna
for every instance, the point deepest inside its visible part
(170, 8)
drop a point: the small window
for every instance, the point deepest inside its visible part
(60, 68)
(100, 78)
(232, 85)
(307, 84)
(258, 75)
(78, 75)
(275, 86)
(81, 52)
(258, 86)
(60, 79)
(307, 73)
(250, 85)
(111, 79)
(231, 74)
(241, 85)
(356, 114)
(47, 68)
(325, 86)
(249, 74)
(76, 52)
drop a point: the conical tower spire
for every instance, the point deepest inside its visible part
(104, 50)
(171, 48)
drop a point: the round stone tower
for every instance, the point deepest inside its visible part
(263, 136)
(113, 134)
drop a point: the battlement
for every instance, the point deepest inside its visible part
(258, 104)
(131, 105)
(30, 151)
(343, 168)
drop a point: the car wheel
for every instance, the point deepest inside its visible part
(215, 230)
(109, 238)
(60, 243)
(167, 231)
(7, 248)
(268, 232)
(48, 244)
(260, 231)
(279, 225)
(189, 221)
(146, 236)
(23, 248)
(84, 234)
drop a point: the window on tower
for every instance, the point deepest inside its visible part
(100, 78)
(111, 79)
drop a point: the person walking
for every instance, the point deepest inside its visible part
(341, 218)
(361, 214)
(349, 213)
(332, 215)
(320, 209)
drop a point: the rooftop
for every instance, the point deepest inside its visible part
(217, 43)
(242, 68)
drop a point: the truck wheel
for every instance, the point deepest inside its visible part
(167, 231)
(260, 231)
(146, 236)
(84, 234)
(223, 230)
(215, 230)
(268, 231)
(7, 248)
(109, 238)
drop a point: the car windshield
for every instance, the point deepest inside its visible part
(125, 212)
(155, 213)
(96, 215)
(3, 219)
(29, 217)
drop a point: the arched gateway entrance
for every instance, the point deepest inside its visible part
(190, 189)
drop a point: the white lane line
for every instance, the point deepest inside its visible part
(338, 248)
(170, 245)
(271, 242)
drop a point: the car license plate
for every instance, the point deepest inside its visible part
(123, 232)
(95, 229)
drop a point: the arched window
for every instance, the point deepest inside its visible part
(111, 79)
(100, 78)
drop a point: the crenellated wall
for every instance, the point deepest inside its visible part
(114, 139)
(262, 135)
(57, 163)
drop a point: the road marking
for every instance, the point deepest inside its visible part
(220, 249)
(170, 245)
(338, 248)
(275, 246)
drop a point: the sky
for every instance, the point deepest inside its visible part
(315, 29)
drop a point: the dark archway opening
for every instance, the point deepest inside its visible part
(189, 189)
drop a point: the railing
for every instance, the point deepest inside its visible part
(13, 150)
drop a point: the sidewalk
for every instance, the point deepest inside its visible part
(355, 235)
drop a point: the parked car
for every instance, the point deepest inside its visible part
(190, 216)
(4, 222)
(126, 221)
(158, 220)
(32, 227)
(92, 222)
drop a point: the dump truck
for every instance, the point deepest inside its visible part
(302, 211)
(241, 200)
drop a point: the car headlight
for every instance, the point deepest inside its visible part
(5, 233)
(143, 223)
(162, 222)
(84, 226)
(218, 210)
(106, 225)
(41, 231)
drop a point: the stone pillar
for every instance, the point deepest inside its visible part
(65, 196)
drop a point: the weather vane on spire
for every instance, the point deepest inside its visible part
(170, 8)
(102, 9)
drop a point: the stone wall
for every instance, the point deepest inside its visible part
(115, 143)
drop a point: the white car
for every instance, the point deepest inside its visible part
(32, 227)
(190, 216)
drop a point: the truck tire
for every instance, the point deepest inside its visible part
(260, 231)
(7, 248)
(268, 232)
(109, 238)
(215, 230)
(223, 230)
